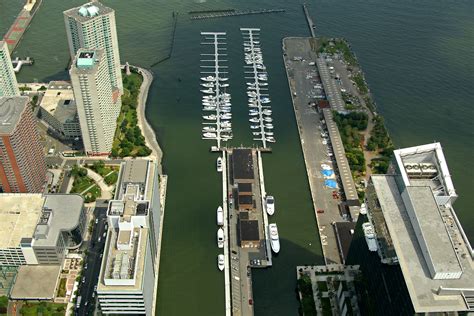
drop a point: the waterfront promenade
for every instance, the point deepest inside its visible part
(147, 130)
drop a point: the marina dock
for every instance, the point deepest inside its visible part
(232, 12)
(216, 100)
(257, 87)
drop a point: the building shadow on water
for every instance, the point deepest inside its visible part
(274, 289)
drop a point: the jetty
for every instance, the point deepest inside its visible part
(18, 63)
(21, 24)
(309, 20)
(222, 14)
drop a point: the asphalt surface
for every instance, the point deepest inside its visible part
(93, 261)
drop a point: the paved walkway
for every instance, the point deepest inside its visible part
(148, 132)
(106, 189)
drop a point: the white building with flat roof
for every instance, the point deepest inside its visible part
(38, 229)
(97, 106)
(92, 26)
(128, 270)
(8, 83)
(414, 220)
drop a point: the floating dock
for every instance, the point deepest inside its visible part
(216, 100)
(259, 101)
(18, 63)
(227, 13)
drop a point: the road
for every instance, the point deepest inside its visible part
(93, 261)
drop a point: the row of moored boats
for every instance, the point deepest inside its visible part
(261, 122)
(216, 108)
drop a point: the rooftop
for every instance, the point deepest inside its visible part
(135, 171)
(425, 292)
(58, 100)
(86, 61)
(426, 165)
(10, 113)
(249, 230)
(242, 164)
(36, 282)
(20, 213)
(123, 269)
(88, 11)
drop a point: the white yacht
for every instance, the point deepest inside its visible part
(220, 238)
(219, 169)
(253, 113)
(223, 79)
(225, 85)
(209, 108)
(208, 79)
(209, 91)
(220, 215)
(254, 127)
(207, 85)
(209, 135)
(270, 204)
(274, 239)
(254, 120)
(220, 262)
(211, 117)
(226, 124)
(270, 139)
(369, 234)
(209, 129)
(269, 126)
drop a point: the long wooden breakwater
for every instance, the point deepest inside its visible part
(234, 13)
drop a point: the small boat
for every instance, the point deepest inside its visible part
(369, 234)
(209, 108)
(274, 238)
(225, 85)
(210, 129)
(208, 79)
(270, 204)
(254, 127)
(211, 117)
(226, 116)
(226, 124)
(219, 169)
(253, 113)
(208, 91)
(209, 135)
(251, 94)
(263, 84)
(220, 238)
(226, 130)
(270, 139)
(269, 133)
(261, 66)
(254, 120)
(265, 100)
(267, 112)
(251, 84)
(268, 119)
(268, 125)
(223, 79)
(220, 262)
(207, 85)
(256, 133)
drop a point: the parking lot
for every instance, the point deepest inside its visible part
(303, 81)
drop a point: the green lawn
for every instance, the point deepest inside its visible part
(83, 182)
(109, 173)
(62, 288)
(129, 140)
(326, 306)
(44, 309)
(111, 178)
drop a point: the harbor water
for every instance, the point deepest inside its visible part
(418, 59)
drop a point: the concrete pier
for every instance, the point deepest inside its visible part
(311, 25)
(228, 304)
(227, 13)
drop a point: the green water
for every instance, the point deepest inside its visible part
(418, 60)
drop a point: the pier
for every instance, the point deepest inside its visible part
(18, 63)
(259, 101)
(222, 14)
(311, 25)
(249, 242)
(217, 126)
(21, 24)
